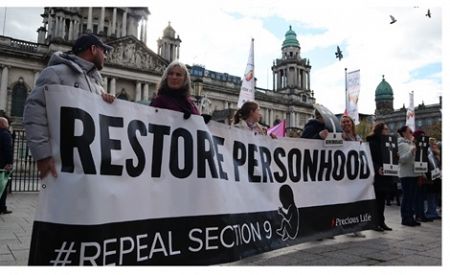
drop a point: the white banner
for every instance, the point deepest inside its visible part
(410, 113)
(125, 168)
(247, 92)
(353, 88)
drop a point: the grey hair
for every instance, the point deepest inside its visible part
(187, 80)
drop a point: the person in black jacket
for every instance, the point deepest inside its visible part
(6, 158)
(315, 128)
(382, 183)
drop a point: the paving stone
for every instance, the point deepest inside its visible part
(404, 246)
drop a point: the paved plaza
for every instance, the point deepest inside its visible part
(404, 246)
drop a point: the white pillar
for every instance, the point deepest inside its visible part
(56, 26)
(4, 89)
(113, 28)
(61, 27)
(144, 37)
(226, 105)
(112, 90)
(49, 26)
(36, 76)
(141, 32)
(138, 91)
(101, 25)
(124, 24)
(145, 91)
(271, 117)
(70, 37)
(76, 28)
(89, 23)
(105, 84)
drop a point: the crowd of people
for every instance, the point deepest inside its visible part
(81, 68)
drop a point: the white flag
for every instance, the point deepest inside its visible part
(353, 95)
(410, 114)
(248, 83)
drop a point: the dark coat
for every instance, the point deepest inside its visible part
(176, 103)
(6, 149)
(312, 129)
(381, 183)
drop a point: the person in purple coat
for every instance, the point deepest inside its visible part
(174, 90)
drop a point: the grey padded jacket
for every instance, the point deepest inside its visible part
(406, 158)
(63, 69)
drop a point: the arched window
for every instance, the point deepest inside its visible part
(19, 95)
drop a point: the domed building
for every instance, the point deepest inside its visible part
(384, 98)
(428, 117)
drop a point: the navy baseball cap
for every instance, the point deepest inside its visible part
(87, 40)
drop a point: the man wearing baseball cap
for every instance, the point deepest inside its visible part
(77, 68)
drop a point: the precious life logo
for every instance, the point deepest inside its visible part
(351, 220)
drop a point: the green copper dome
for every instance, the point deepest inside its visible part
(290, 39)
(384, 91)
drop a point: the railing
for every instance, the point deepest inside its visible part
(25, 177)
(24, 45)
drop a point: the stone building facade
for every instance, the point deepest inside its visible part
(428, 117)
(132, 70)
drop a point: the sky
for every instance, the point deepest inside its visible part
(217, 35)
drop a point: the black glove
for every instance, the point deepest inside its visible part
(206, 118)
(186, 115)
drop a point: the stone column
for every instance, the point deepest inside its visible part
(138, 91)
(144, 38)
(101, 25)
(273, 80)
(112, 90)
(56, 26)
(76, 27)
(4, 88)
(309, 81)
(70, 37)
(89, 23)
(124, 23)
(105, 84)
(49, 26)
(114, 19)
(36, 76)
(271, 117)
(141, 32)
(146, 91)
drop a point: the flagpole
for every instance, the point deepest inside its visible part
(4, 22)
(346, 95)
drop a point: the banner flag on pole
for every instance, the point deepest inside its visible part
(247, 92)
(410, 114)
(352, 95)
(279, 130)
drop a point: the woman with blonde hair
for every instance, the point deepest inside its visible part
(349, 129)
(174, 90)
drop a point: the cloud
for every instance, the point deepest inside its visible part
(217, 34)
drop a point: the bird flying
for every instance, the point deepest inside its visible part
(338, 53)
(428, 13)
(393, 20)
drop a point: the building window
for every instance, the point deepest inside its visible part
(20, 93)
